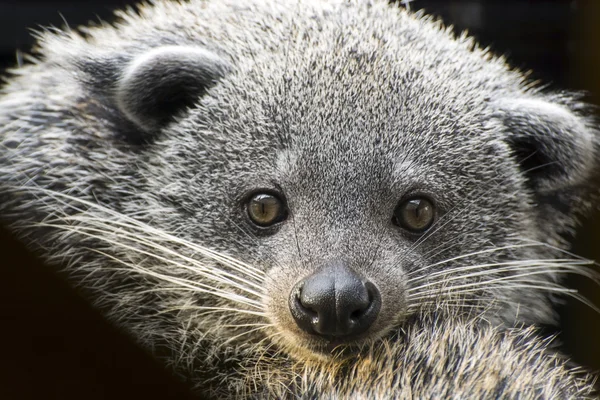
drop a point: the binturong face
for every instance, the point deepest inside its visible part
(364, 197)
(307, 194)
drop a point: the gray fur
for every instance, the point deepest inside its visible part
(344, 108)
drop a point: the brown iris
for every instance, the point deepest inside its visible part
(266, 209)
(415, 215)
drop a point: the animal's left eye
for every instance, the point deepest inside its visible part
(415, 214)
(266, 209)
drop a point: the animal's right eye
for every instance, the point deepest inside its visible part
(415, 214)
(266, 209)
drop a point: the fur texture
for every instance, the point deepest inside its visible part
(129, 153)
(437, 356)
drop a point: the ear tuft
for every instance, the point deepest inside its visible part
(155, 86)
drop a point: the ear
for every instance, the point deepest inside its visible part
(555, 147)
(157, 85)
(557, 150)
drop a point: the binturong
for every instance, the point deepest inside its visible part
(300, 177)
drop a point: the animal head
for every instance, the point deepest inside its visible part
(341, 166)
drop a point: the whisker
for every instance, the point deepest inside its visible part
(558, 249)
(489, 283)
(210, 274)
(546, 266)
(196, 286)
(246, 325)
(236, 264)
(203, 311)
(218, 309)
(476, 253)
(133, 223)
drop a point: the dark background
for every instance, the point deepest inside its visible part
(53, 345)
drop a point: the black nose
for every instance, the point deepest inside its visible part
(335, 302)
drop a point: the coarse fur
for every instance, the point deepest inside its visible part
(437, 356)
(130, 151)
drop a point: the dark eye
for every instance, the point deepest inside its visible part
(266, 209)
(415, 215)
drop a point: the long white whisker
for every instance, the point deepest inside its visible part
(229, 261)
(558, 249)
(195, 263)
(133, 222)
(437, 250)
(546, 265)
(203, 272)
(216, 309)
(196, 286)
(510, 279)
(476, 253)
(450, 291)
(265, 325)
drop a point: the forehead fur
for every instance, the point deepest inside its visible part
(308, 67)
(333, 97)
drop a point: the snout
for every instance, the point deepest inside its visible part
(335, 303)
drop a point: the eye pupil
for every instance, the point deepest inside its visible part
(415, 215)
(265, 209)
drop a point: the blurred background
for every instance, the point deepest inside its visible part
(51, 334)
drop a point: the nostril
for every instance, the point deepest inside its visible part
(370, 306)
(356, 315)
